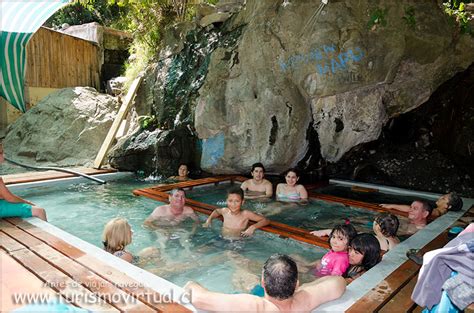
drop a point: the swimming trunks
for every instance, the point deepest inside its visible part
(14, 209)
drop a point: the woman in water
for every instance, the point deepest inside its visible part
(291, 191)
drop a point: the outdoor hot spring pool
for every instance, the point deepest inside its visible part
(83, 209)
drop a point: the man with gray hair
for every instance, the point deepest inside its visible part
(282, 291)
(173, 213)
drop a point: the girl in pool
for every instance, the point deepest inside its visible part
(336, 261)
(116, 236)
(291, 191)
(364, 253)
(385, 228)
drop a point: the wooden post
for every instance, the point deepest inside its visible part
(122, 113)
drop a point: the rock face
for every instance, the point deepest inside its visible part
(344, 68)
(66, 128)
(158, 152)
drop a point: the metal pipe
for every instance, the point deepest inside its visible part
(40, 168)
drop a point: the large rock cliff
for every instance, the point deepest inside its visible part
(343, 68)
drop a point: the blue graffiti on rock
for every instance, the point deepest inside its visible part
(325, 60)
(212, 150)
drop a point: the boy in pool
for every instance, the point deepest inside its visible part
(236, 220)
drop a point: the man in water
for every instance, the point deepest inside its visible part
(418, 213)
(13, 206)
(173, 213)
(281, 287)
(257, 187)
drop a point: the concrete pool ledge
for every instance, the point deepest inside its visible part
(387, 189)
(70, 180)
(156, 283)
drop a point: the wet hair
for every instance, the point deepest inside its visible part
(347, 230)
(294, 170)
(235, 191)
(258, 164)
(185, 164)
(426, 207)
(388, 224)
(280, 275)
(116, 235)
(369, 247)
(175, 190)
(455, 202)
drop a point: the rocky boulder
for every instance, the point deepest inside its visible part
(343, 68)
(66, 128)
(157, 152)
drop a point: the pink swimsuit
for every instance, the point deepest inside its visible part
(333, 264)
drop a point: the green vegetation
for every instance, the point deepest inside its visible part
(145, 19)
(457, 10)
(148, 122)
(81, 12)
(377, 17)
(410, 17)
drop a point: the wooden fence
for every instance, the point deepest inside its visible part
(57, 60)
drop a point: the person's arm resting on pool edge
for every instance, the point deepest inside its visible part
(398, 207)
(204, 299)
(320, 291)
(213, 215)
(260, 222)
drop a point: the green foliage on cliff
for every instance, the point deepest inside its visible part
(378, 17)
(458, 10)
(409, 17)
(81, 12)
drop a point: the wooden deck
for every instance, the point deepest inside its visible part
(36, 263)
(49, 175)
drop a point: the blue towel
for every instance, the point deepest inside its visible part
(445, 305)
(258, 291)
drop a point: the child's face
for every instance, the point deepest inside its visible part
(338, 242)
(291, 178)
(355, 257)
(258, 173)
(234, 202)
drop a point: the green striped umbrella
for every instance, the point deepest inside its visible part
(19, 21)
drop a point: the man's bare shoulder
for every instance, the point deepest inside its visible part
(188, 210)
(161, 210)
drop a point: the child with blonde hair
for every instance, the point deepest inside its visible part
(116, 236)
